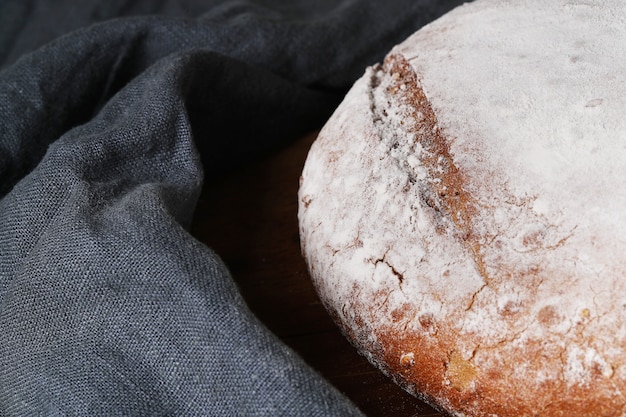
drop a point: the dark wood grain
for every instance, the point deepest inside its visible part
(250, 219)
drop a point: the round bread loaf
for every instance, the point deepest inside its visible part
(463, 212)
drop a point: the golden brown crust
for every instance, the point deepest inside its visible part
(427, 362)
(461, 213)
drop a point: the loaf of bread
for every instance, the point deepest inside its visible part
(463, 212)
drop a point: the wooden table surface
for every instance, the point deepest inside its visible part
(249, 219)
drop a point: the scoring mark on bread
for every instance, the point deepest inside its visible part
(409, 133)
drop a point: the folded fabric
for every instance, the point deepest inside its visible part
(112, 113)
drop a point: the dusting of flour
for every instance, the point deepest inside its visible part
(536, 114)
(530, 96)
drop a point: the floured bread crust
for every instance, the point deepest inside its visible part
(463, 213)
